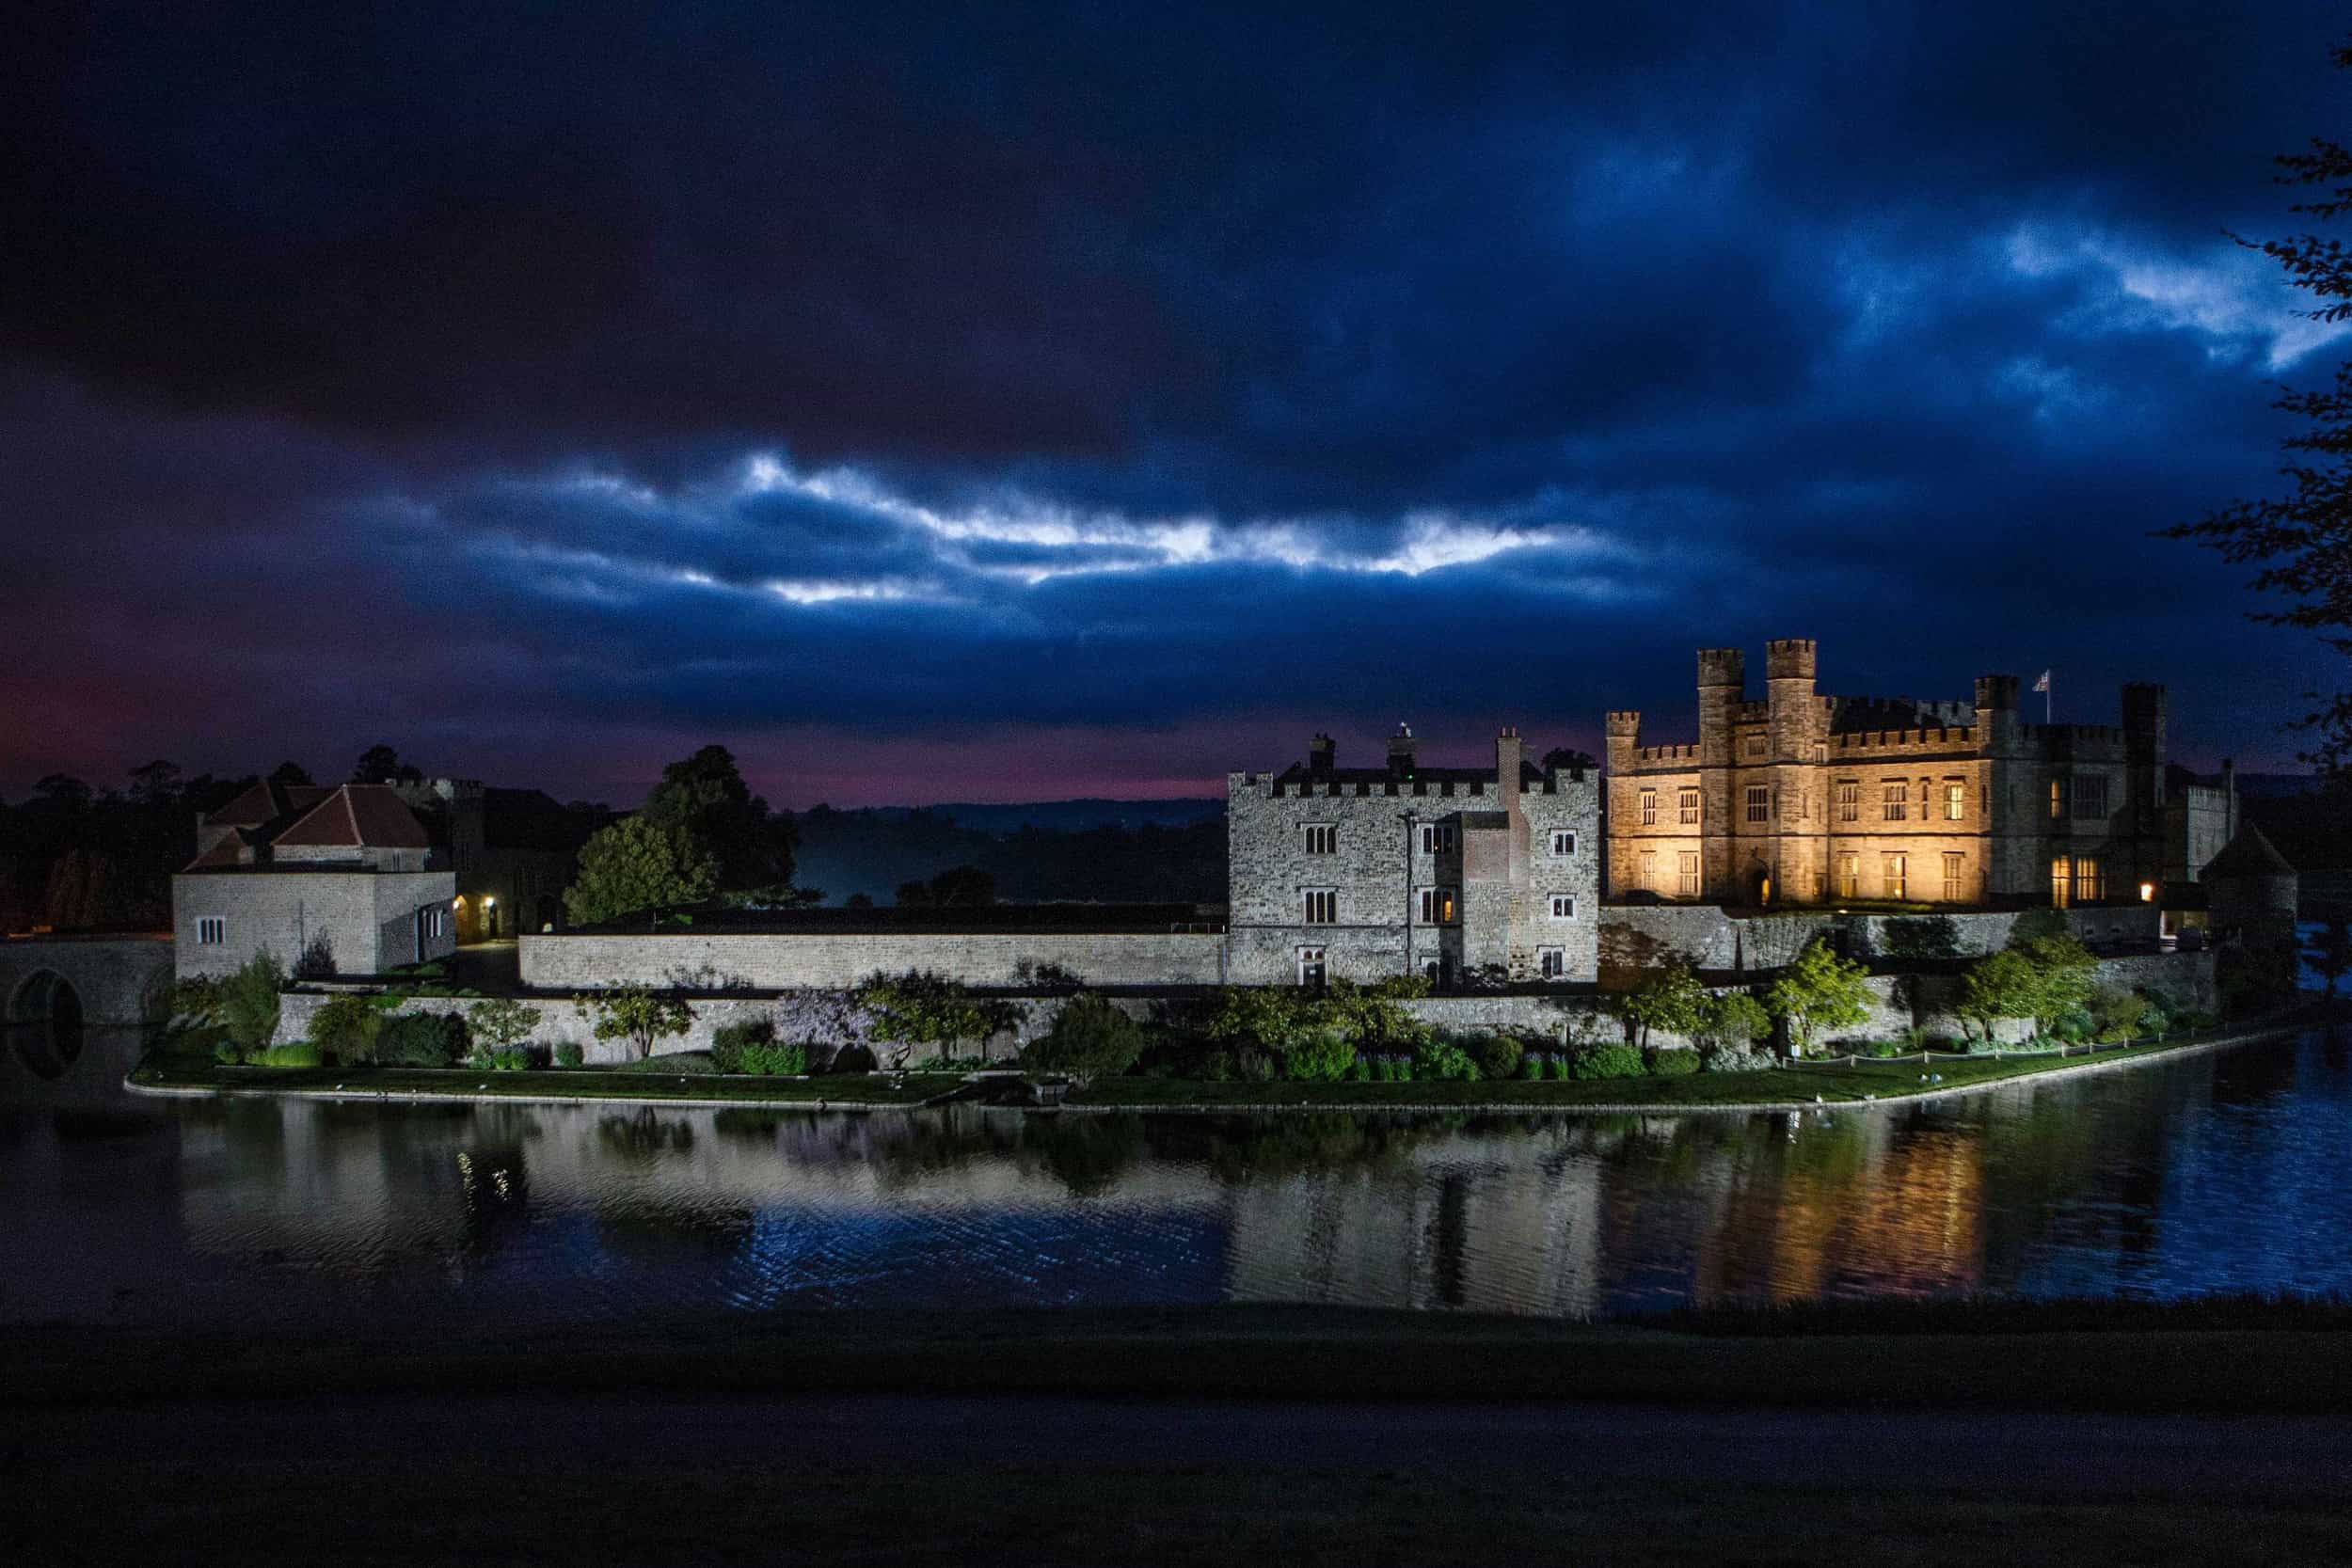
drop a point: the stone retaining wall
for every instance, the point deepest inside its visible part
(566, 962)
(1714, 939)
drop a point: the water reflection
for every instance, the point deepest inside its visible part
(2215, 1173)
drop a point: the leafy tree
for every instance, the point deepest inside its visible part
(1091, 1038)
(923, 1009)
(2303, 540)
(1999, 985)
(958, 887)
(1671, 999)
(345, 1028)
(421, 1040)
(2329, 952)
(638, 864)
(245, 1003)
(379, 764)
(705, 797)
(1568, 759)
(503, 1023)
(2065, 974)
(287, 773)
(858, 902)
(643, 1017)
(1733, 1021)
(1818, 993)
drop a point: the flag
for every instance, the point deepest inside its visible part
(2041, 681)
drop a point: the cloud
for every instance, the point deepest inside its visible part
(2232, 298)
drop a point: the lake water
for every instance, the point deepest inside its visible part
(2218, 1173)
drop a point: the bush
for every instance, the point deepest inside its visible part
(1442, 1060)
(1560, 1065)
(421, 1040)
(1531, 1065)
(299, 1054)
(345, 1029)
(1091, 1038)
(778, 1059)
(245, 1004)
(1671, 1064)
(569, 1054)
(729, 1043)
(1254, 1067)
(2117, 1014)
(513, 1058)
(1496, 1056)
(1607, 1060)
(1359, 1070)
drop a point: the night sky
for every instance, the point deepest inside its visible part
(1046, 403)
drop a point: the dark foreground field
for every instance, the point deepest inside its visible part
(1257, 1434)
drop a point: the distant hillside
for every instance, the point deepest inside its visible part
(1113, 851)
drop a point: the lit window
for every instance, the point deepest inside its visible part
(1322, 839)
(1564, 906)
(1437, 838)
(2061, 881)
(1551, 962)
(1897, 876)
(1689, 872)
(2057, 798)
(1955, 877)
(1323, 906)
(1955, 800)
(212, 930)
(1688, 801)
(1649, 808)
(1760, 802)
(1897, 796)
(2090, 795)
(1563, 842)
(1648, 877)
(1436, 905)
(1850, 875)
(2091, 882)
(1849, 801)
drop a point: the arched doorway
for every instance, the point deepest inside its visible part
(45, 1024)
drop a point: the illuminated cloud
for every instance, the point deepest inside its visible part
(2233, 299)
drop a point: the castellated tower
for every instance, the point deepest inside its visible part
(1624, 730)
(1723, 682)
(1997, 715)
(1797, 725)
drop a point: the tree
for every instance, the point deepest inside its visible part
(289, 773)
(1999, 985)
(922, 1009)
(704, 796)
(1819, 991)
(245, 1004)
(1734, 1022)
(2330, 950)
(1091, 1038)
(2065, 974)
(958, 887)
(380, 764)
(1671, 999)
(2303, 540)
(642, 1016)
(502, 1022)
(638, 864)
(1568, 759)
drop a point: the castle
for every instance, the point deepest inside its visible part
(1802, 798)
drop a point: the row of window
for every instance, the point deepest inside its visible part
(1436, 905)
(2085, 794)
(1437, 838)
(212, 930)
(1551, 962)
(2081, 796)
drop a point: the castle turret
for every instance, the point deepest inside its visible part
(1723, 682)
(1321, 756)
(1789, 676)
(1622, 732)
(1401, 745)
(2143, 757)
(1997, 714)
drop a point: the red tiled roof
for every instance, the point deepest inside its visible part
(359, 814)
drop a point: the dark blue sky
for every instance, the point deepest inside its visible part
(1055, 403)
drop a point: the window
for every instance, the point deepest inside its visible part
(1896, 876)
(1551, 962)
(1322, 839)
(1955, 877)
(1436, 905)
(2061, 881)
(1955, 800)
(2091, 882)
(436, 920)
(1897, 797)
(1648, 877)
(1564, 906)
(1849, 801)
(1563, 842)
(1760, 802)
(1437, 838)
(2057, 798)
(1850, 875)
(2090, 795)
(1688, 801)
(1754, 746)
(1688, 883)
(1649, 808)
(1323, 906)
(212, 930)
(1311, 970)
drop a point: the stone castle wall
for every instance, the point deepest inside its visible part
(369, 917)
(564, 961)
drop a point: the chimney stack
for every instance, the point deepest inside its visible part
(1400, 751)
(1321, 754)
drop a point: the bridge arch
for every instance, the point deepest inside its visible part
(45, 1023)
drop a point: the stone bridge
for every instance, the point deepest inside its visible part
(75, 1012)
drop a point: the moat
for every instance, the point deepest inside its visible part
(2208, 1173)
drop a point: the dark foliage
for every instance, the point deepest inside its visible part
(421, 1040)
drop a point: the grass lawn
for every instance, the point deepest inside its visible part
(640, 1080)
(1835, 1084)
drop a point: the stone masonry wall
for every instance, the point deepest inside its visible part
(369, 916)
(787, 960)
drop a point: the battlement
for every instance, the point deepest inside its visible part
(1926, 739)
(1667, 753)
(1722, 667)
(1790, 658)
(1751, 713)
(1624, 723)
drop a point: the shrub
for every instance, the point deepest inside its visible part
(1613, 1059)
(501, 1023)
(245, 1004)
(1531, 1065)
(513, 1058)
(569, 1054)
(2117, 1014)
(1671, 1064)
(421, 1040)
(728, 1042)
(1359, 1070)
(776, 1059)
(1322, 1057)
(1671, 999)
(2158, 1017)
(639, 1015)
(1733, 1021)
(922, 1009)
(1819, 993)
(1443, 1060)
(1217, 1066)
(1560, 1065)
(1496, 1056)
(1091, 1038)
(1254, 1067)
(316, 961)
(298, 1054)
(345, 1029)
